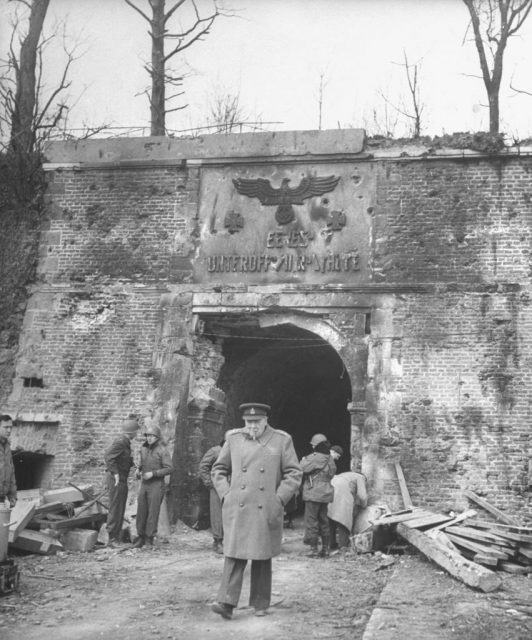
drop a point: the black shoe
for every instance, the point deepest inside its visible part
(149, 542)
(139, 542)
(217, 547)
(222, 609)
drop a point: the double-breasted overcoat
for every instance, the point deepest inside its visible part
(255, 479)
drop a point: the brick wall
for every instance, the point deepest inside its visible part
(449, 353)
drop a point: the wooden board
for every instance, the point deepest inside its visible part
(470, 513)
(511, 567)
(50, 507)
(486, 560)
(478, 548)
(490, 508)
(427, 521)
(482, 536)
(21, 514)
(82, 521)
(401, 517)
(36, 542)
(470, 573)
(407, 501)
(67, 494)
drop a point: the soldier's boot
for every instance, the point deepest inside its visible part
(149, 541)
(218, 547)
(139, 542)
(325, 551)
(314, 552)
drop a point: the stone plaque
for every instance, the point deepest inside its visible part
(263, 224)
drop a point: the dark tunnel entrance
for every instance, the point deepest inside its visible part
(296, 372)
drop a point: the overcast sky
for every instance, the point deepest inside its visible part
(274, 52)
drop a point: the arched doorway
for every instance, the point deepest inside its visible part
(292, 369)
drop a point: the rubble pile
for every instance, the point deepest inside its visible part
(45, 522)
(471, 551)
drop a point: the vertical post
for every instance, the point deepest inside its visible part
(357, 411)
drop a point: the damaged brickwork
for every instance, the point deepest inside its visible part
(419, 353)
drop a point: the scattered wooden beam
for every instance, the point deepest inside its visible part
(21, 514)
(401, 516)
(490, 508)
(37, 542)
(479, 548)
(469, 572)
(483, 536)
(66, 494)
(427, 520)
(511, 567)
(407, 501)
(470, 513)
(82, 521)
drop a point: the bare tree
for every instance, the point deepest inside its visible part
(226, 112)
(180, 39)
(493, 23)
(21, 100)
(32, 111)
(414, 111)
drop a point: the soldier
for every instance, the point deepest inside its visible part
(155, 464)
(8, 485)
(256, 474)
(118, 462)
(215, 504)
(318, 470)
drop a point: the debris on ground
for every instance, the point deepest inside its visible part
(45, 522)
(470, 552)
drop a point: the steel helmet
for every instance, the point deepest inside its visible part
(317, 438)
(153, 431)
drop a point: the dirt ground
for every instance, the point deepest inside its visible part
(166, 593)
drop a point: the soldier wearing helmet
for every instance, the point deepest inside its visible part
(155, 464)
(118, 462)
(318, 471)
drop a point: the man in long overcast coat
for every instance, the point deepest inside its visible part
(256, 474)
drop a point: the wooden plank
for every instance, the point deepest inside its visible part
(506, 534)
(469, 572)
(511, 567)
(483, 536)
(407, 501)
(33, 495)
(36, 542)
(71, 523)
(21, 514)
(427, 521)
(470, 513)
(527, 531)
(66, 494)
(49, 507)
(490, 508)
(478, 548)
(485, 560)
(394, 519)
(525, 551)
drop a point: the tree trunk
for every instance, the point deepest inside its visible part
(22, 126)
(157, 99)
(493, 100)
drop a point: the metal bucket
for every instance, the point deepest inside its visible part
(4, 531)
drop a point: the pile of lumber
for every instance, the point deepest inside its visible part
(55, 520)
(468, 547)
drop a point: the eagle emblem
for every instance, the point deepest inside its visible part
(285, 196)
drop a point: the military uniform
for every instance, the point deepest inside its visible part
(118, 461)
(215, 504)
(264, 474)
(154, 458)
(8, 485)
